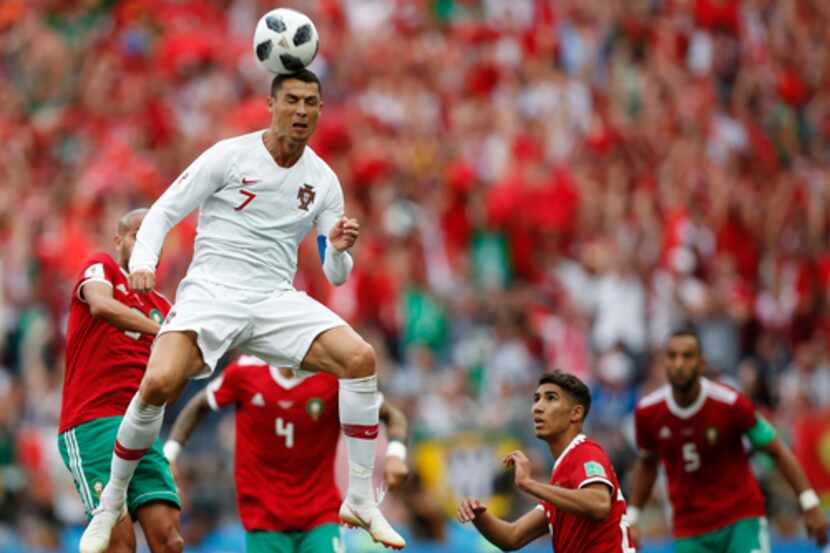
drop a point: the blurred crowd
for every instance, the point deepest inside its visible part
(540, 183)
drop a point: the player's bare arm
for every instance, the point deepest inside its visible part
(643, 477)
(505, 535)
(395, 469)
(786, 462)
(194, 411)
(593, 501)
(102, 305)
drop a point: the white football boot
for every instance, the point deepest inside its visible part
(372, 520)
(96, 537)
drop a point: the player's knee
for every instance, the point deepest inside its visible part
(157, 388)
(172, 542)
(361, 361)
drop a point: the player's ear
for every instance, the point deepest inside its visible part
(270, 102)
(577, 412)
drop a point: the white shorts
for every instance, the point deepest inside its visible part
(277, 327)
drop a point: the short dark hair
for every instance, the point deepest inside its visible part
(304, 75)
(572, 385)
(687, 331)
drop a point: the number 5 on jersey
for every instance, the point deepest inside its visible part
(286, 429)
(691, 458)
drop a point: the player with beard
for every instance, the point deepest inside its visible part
(108, 339)
(696, 427)
(258, 196)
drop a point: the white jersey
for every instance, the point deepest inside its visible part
(253, 214)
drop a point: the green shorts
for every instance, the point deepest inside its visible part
(750, 535)
(322, 539)
(87, 453)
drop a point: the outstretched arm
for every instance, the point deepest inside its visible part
(195, 410)
(507, 536)
(194, 185)
(788, 465)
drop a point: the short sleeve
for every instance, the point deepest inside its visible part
(98, 269)
(224, 389)
(642, 432)
(759, 431)
(743, 413)
(591, 466)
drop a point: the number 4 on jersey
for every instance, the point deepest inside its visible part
(286, 429)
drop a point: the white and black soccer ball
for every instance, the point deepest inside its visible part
(285, 41)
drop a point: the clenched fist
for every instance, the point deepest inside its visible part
(142, 280)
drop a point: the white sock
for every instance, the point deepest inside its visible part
(139, 428)
(359, 407)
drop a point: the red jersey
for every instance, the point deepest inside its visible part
(582, 463)
(104, 365)
(711, 484)
(286, 441)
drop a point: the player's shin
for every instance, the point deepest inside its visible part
(359, 405)
(139, 429)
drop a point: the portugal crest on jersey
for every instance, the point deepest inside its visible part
(306, 196)
(314, 408)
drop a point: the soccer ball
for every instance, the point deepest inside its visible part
(285, 41)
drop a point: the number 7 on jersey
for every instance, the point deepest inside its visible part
(249, 199)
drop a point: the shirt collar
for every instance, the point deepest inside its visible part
(691, 410)
(578, 439)
(288, 383)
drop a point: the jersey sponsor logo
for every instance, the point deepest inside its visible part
(592, 468)
(306, 196)
(258, 400)
(95, 271)
(314, 407)
(665, 433)
(712, 435)
(285, 404)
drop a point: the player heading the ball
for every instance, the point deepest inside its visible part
(258, 195)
